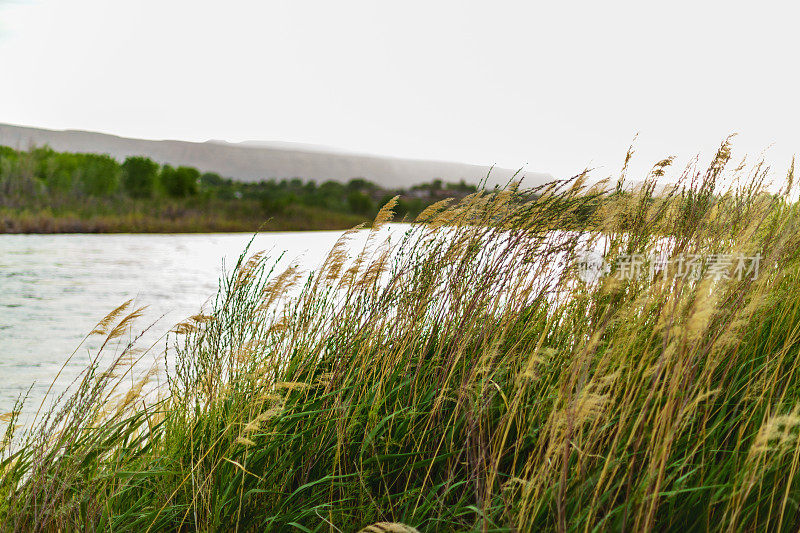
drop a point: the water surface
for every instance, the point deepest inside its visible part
(55, 288)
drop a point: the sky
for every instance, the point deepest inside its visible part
(547, 86)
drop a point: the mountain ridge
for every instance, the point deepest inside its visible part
(257, 160)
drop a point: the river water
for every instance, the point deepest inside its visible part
(55, 288)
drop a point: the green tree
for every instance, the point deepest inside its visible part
(212, 179)
(56, 170)
(360, 184)
(180, 182)
(17, 174)
(140, 176)
(359, 203)
(100, 175)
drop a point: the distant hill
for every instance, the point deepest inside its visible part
(253, 161)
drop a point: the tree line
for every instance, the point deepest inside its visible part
(44, 172)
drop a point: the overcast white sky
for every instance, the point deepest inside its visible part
(552, 86)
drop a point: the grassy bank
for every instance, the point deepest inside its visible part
(168, 216)
(455, 383)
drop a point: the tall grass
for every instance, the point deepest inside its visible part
(463, 378)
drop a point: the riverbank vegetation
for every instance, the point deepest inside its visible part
(44, 191)
(458, 379)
